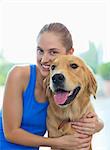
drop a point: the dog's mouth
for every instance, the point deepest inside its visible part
(63, 97)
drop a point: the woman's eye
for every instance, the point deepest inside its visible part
(53, 67)
(74, 66)
(40, 51)
(53, 52)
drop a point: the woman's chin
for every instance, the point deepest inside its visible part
(44, 73)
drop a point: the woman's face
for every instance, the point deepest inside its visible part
(49, 46)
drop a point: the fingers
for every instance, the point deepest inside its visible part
(76, 141)
(86, 124)
(81, 136)
(85, 132)
(91, 115)
(82, 142)
(85, 146)
(88, 119)
(84, 128)
(85, 143)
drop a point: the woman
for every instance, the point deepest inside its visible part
(23, 122)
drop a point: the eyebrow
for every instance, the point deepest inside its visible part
(51, 49)
(38, 47)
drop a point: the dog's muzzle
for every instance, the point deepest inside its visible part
(63, 97)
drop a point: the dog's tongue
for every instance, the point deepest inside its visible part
(60, 97)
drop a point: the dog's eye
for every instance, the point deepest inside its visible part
(53, 67)
(74, 66)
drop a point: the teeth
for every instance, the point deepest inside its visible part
(70, 93)
(46, 66)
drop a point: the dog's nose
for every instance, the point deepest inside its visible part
(58, 78)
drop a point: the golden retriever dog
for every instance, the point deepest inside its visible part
(68, 88)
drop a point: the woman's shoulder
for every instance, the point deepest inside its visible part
(20, 70)
(20, 74)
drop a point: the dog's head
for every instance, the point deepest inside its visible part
(69, 77)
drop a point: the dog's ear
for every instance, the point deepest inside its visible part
(46, 84)
(92, 84)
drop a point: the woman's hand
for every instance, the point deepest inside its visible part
(88, 124)
(72, 142)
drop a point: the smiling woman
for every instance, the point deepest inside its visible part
(49, 47)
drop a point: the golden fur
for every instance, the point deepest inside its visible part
(81, 75)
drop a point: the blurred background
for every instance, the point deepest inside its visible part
(88, 22)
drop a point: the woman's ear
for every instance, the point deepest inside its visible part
(70, 52)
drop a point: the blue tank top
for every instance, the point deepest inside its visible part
(34, 115)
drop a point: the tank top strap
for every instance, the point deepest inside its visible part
(33, 76)
(32, 81)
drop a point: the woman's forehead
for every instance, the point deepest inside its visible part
(48, 37)
(49, 41)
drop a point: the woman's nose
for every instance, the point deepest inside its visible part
(45, 58)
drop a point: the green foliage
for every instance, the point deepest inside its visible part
(4, 69)
(104, 71)
(93, 57)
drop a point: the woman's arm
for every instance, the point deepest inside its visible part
(12, 116)
(12, 110)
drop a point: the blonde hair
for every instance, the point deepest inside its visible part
(60, 30)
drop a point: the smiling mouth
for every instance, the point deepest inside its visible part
(45, 67)
(63, 97)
